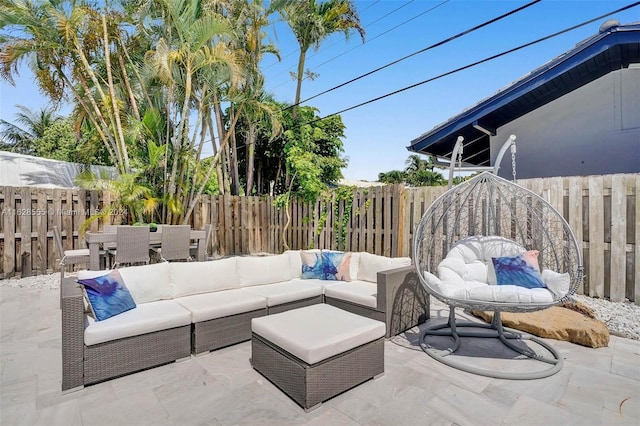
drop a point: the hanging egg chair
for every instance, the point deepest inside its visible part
(489, 244)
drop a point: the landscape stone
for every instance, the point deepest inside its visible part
(572, 324)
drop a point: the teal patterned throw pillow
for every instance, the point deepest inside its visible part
(108, 295)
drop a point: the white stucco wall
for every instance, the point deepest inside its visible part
(591, 131)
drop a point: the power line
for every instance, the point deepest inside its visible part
(490, 58)
(366, 41)
(383, 33)
(379, 35)
(440, 43)
(370, 23)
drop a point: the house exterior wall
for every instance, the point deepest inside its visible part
(593, 130)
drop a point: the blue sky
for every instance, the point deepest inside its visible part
(377, 134)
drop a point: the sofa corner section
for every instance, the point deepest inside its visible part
(403, 299)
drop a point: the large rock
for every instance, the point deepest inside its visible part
(571, 324)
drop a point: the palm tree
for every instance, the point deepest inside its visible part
(191, 61)
(416, 163)
(248, 19)
(312, 21)
(126, 192)
(21, 137)
(261, 113)
(425, 177)
(62, 41)
(392, 177)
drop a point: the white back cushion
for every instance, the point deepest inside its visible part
(450, 272)
(557, 283)
(84, 275)
(257, 270)
(499, 247)
(476, 253)
(355, 265)
(148, 283)
(295, 263)
(203, 277)
(460, 274)
(371, 264)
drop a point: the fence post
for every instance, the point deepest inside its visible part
(398, 207)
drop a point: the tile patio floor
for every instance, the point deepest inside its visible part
(596, 386)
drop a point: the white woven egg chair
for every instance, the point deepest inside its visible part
(455, 243)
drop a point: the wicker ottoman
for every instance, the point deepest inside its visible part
(317, 352)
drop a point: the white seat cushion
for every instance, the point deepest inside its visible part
(219, 304)
(288, 291)
(323, 284)
(454, 288)
(359, 292)
(203, 277)
(144, 318)
(504, 294)
(371, 264)
(317, 332)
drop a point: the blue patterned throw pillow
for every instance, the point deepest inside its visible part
(311, 265)
(336, 265)
(108, 295)
(521, 270)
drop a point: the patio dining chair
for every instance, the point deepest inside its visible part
(175, 243)
(110, 248)
(132, 245)
(68, 257)
(193, 248)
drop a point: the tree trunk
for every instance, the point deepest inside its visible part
(251, 148)
(219, 176)
(299, 77)
(112, 94)
(223, 144)
(127, 84)
(223, 186)
(260, 189)
(180, 135)
(226, 169)
(233, 159)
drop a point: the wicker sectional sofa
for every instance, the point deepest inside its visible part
(192, 308)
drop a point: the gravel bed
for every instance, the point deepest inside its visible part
(622, 318)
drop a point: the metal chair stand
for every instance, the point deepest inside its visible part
(494, 330)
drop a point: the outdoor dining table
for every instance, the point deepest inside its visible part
(96, 239)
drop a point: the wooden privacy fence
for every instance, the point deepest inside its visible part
(603, 212)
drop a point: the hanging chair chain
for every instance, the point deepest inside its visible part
(513, 160)
(460, 157)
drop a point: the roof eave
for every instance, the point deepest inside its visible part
(554, 68)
